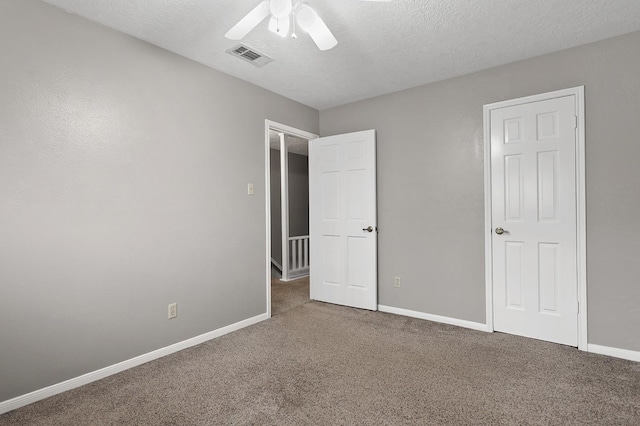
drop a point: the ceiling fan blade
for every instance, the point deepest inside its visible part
(310, 22)
(322, 36)
(249, 22)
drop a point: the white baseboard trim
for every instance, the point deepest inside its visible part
(276, 264)
(43, 393)
(615, 352)
(436, 318)
(295, 277)
(596, 349)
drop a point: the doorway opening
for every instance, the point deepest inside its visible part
(287, 207)
(289, 156)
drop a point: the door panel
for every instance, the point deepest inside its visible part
(514, 181)
(533, 157)
(342, 204)
(514, 273)
(547, 186)
(548, 255)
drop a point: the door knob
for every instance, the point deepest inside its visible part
(369, 229)
(500, 231)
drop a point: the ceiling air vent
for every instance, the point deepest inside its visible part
(250, 55)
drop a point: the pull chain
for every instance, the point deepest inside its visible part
(293, 33)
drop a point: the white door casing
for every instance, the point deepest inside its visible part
(284, 206)
(342, 209)
(536, 264)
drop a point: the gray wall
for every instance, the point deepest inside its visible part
(430, 183)
(123, 188)
(298, 195)
(298, 200)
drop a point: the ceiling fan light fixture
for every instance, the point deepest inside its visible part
(281, 8)
(284, 14)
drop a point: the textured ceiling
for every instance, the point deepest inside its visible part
(382, 47)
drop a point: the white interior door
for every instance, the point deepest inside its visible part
(533, 175)
(342, 210)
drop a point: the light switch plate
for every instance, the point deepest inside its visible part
(173, 310)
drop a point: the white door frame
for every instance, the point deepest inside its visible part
(581, 249)
(284, 206)
(278, 128)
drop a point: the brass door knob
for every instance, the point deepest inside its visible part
(369, 229)
(500, 231)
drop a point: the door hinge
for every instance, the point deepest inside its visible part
(578, 303)
(575, 121)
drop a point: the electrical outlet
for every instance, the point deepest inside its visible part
(396, 282)
(173, 310)
(250, 189)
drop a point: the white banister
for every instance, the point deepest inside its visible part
(298, 256)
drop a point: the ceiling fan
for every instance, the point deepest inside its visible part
(284, 14)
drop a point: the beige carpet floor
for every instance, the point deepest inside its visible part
(320, 364)
(288, 295)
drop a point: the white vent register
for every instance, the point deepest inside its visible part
(249, 54)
